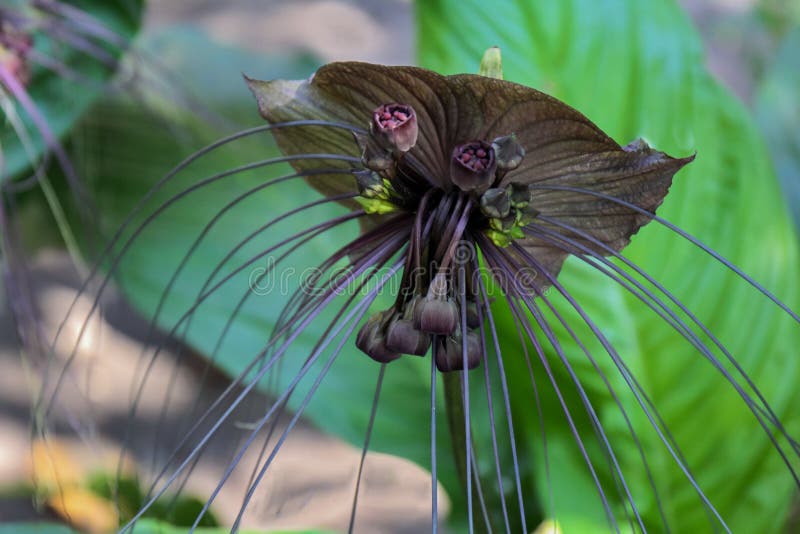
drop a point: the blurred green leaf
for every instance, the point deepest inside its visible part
(637, 70)
(62, 99)
(777, 108)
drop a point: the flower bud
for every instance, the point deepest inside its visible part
(505, 224)
(394, 126)
(450, 357)
(371, 341)
(472, 166)
(436, 316)
(526, 215)
(373, 156)
(402, 337)
(473, 320)
(520, 194)
(508, 151)
(495, 203)
(370, 184)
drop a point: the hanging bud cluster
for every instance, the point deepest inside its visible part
(15, 46)
(412, 325)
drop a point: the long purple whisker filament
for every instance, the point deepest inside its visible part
(484, 307)
(78, 22)
(274, 339)
(766, 407)
(203, 296)
(434, 474)
(359, 310)
(51, 141)
(254, 381)
(615, 358)
(705, 248)
(62, 69)
(539, 413)
(669, 441)
(489, 253)
(504, 386)
(167, 178)
(207, 228)
(616, 400)
(462, 284)
(680, 326)
(313, 233)
(378, 233)
(80, 43)
(187, 256)
(382, 252)
(600, 431)
(149, 219)
(365, 448)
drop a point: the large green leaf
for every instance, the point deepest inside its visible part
(60, 99)
(636, 69)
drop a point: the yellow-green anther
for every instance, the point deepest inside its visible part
(499, 238)
(492, 64)
(371, 185)
(376, 206)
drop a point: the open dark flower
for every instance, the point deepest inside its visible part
(471, 192)
(486, 165)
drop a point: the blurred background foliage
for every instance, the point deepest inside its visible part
(637, 70)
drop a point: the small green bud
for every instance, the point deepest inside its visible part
(492, 64)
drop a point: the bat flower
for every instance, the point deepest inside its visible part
(470, 192)
(457, 167)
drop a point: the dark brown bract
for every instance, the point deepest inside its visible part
(468, 161)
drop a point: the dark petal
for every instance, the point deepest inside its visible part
(450, 111)
(402, 337)
(350, 92)
(436, 316)
(371, 341)
(641, 176)
(451, 357)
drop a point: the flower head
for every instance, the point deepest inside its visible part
(467, 160)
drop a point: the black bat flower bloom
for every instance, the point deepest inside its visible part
(464, 161)
(469, 192)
